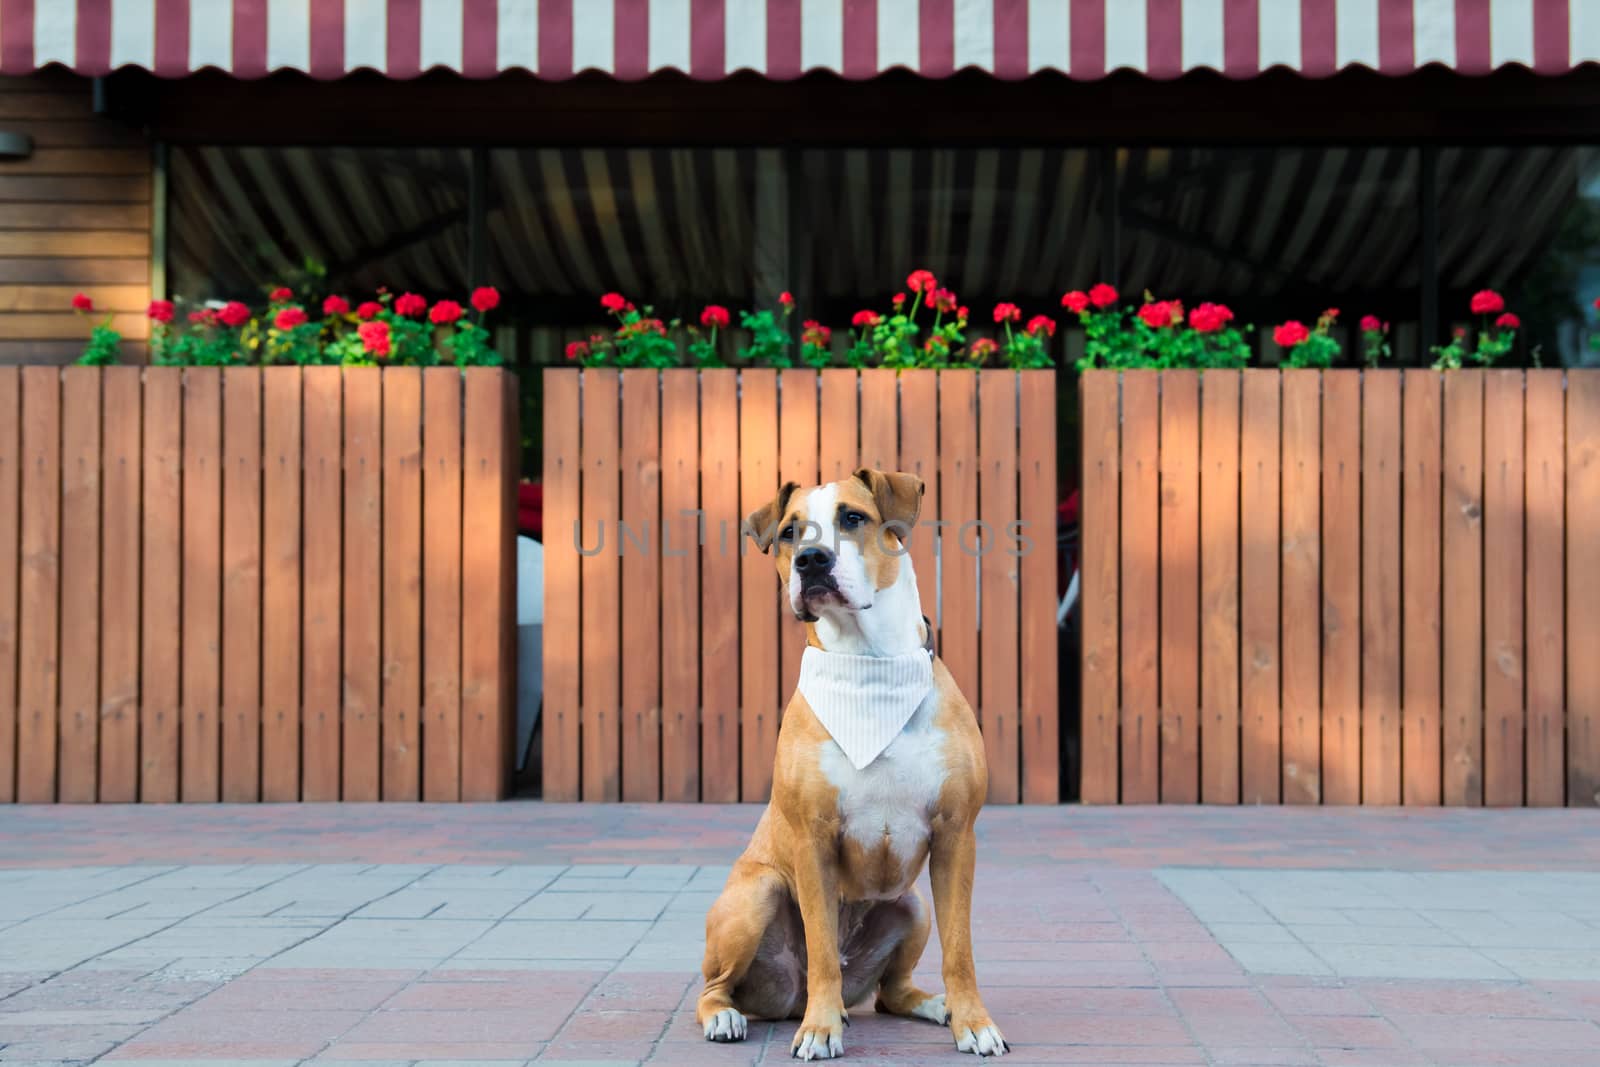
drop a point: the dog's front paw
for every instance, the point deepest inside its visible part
(726, 1025)
(975, 1032)
(821, 1035)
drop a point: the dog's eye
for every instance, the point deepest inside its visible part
(852, 520)
(787, 533)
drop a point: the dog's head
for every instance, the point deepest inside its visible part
(838, 544)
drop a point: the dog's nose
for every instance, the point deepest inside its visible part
(813, 561)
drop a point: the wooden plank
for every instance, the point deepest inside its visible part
(322, 514)
(40, 587)
(1139, 581)
(1503, 516)
(56, 297)
(39, 604)
(74, 273)
(401, 734)
(506, 581)
(280, 584)
(759, 589)
(10, 519)
(602, 606)
(241, 584)
(485, 570)
(1260, 544)
(1545, 501)
(1302, 590)
(70, 243)
(641, 585)
(161, 582)
(1180, 587)
(958, 537)
(1381, 636)
(838, 453)
(84, 189)
(719, 586)
(74, 161)
(880, 420)
(75, 217)
(441, 588)
(78, 757)
(1583, 578)
(200, 734)
(119, 585)
(360, 687)
(1036, 511)
(798, 463)
(680, 584)
(1341, 587)
(1421, 626)
(919, 455)
(1219, 587)
(999, 704)
(1463, 587)
(1099, 535)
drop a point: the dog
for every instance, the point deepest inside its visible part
(822, 908)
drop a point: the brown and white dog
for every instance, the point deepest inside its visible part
(822, 908)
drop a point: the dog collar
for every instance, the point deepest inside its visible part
(864, 701)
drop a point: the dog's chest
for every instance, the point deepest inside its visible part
(886, 807)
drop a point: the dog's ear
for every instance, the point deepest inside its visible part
(762, 524)
(898, 495)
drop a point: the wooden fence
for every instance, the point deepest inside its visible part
(667, 663)
(1342, 587)
(250, 584)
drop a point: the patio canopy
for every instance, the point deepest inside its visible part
(710, 39)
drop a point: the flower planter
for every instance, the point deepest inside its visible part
(1341, 587)
(668, 662)
(256, 584)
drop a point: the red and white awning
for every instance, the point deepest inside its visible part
(709, 39)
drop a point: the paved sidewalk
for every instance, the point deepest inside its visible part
(280, 935)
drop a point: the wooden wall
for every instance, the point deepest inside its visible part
(76, 216)
(667, 667)
(1341, 587)
(256, 585)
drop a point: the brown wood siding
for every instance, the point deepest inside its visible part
(74, 217)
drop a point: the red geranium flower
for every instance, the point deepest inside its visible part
(1509, 321)
(865, 318)
(1162, 313)
(1370, 324)
(1041, 322)
(921, 281)
(714, 317)
(576, 350)
(289, 318)
(1209, 318)
(203, 317)
(410, 305)
(1076, 301)
(1597, 303)
(81, 302)
(786, 299)
(1290, 333)
(1459, 331)
(1102, 295)
(613, 302)
(1331, 313)
(1487, 302)
(983, 348)
(160, 311)
(943, 300)
(444, 312)
(1007, 313)
(374, 337)
(233, 314)
(335, 305)
(369, 310)
(485, 298)
(815, 333)
(281, 293)
(961, 313)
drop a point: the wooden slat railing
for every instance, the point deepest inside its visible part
(1341, 587)
(667, 667)
(250, 584)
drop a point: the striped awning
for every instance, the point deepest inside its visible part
(710, 39)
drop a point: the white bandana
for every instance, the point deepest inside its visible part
(864, 701)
